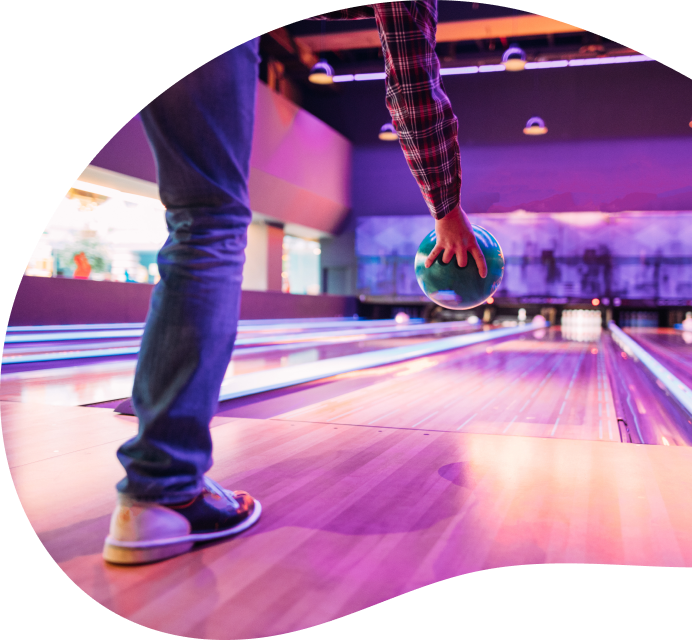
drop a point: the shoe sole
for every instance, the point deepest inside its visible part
(122, 552)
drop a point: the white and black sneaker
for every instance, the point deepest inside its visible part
(144, 532)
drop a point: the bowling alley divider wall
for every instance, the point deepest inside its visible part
(46, 301)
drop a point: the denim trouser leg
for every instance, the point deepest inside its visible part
(200, 131)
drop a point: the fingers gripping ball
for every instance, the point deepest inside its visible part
(455, 287)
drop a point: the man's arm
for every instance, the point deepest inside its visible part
(427, 127)
(420, 109)
(423, 118)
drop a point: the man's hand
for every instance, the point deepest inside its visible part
(455, 237)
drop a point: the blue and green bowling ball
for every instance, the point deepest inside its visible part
(455, 287)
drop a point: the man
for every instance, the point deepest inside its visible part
(200, 131)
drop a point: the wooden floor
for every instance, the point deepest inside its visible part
(543, 387)
(353, 515)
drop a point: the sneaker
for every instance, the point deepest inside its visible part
(144, 532)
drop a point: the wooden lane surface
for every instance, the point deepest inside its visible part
(69, 385)
(672, 348)
(536, 385)
(356, 515)
(68, 348)
(89, 382)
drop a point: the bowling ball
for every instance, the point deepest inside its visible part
(455, 287)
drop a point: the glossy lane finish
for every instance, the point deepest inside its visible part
(91, 382)
(243, 362)
(72, 333)
(650, 415)
(69, 386)
(352, 516)
(672, 348)
(75, 349)
(536, 385)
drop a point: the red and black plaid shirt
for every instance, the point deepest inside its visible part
(421, 111)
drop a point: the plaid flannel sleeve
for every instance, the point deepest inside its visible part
(420, 109)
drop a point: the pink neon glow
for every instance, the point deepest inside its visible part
(299, 166)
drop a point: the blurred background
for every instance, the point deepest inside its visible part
(576, 153)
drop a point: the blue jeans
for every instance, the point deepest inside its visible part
(200, 131)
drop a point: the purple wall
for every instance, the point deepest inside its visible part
(257, 305)
(646, 174)
(618, 139)
(42, 301)
(128, 152)
(299, 168)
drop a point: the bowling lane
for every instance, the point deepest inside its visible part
(647, 414)
(247, 360)
(108, 379)
(68, 385)
(61, 351)
(69, 333)
(672, 348)
(94, 345)
(243, 325)
(539, 384)
(281, 326)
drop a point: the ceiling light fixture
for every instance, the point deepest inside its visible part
(388, 132)
(535, 127)
(321, 73)
(547, 64)
(514, 58)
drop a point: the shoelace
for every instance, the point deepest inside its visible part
(213, 487)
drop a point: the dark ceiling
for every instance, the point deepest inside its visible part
(447, 11)
(643, 99)
(280, 45)
(578, 103)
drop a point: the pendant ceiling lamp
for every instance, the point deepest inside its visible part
(535, 127)
(321, 73)
(514, 59)
(388, 132)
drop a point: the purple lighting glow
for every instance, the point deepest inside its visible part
(490, 68)
(546, 64)
(583, 62)
(456, 71)
(370, 76)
